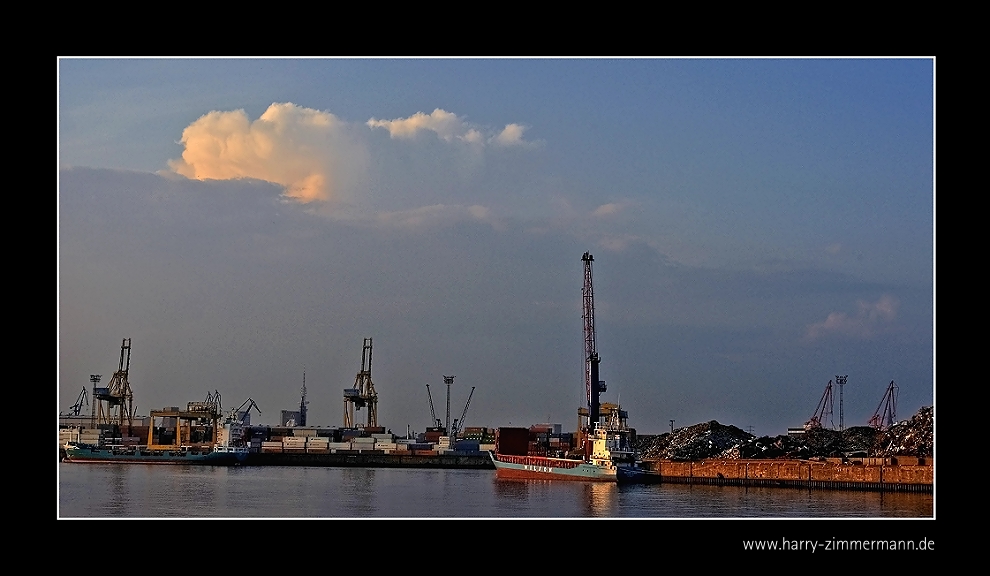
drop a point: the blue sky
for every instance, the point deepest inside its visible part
(758, 226)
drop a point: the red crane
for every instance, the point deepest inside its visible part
(886, 412)
(824, 407)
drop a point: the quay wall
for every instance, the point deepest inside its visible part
(370, 460)
(830, 473)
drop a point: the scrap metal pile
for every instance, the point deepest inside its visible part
(914, 437)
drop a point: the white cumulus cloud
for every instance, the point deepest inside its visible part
(451, 128)
(869, 319)
(311, 153)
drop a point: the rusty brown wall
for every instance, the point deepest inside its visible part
(796, 470)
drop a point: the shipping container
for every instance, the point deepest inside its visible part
(512, 441)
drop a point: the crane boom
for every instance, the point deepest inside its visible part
(459, 424)
(433, 413)
(240, 413)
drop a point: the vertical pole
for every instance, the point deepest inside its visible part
(841, 380)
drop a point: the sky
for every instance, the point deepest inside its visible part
(758, 227)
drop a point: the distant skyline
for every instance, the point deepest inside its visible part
(759, 226)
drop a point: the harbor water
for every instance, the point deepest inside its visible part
(88, 491)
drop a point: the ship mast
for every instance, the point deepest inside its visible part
(593, 386)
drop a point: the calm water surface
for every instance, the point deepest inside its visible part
(149, 491)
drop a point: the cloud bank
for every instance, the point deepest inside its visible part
(312, 154)
(869, 319)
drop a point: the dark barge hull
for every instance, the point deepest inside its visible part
(363, 460)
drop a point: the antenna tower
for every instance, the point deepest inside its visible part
(302, 401)
(841, 381)
(448, 380)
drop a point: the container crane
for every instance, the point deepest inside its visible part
(886, 413)
(363, 393)
(113, 405)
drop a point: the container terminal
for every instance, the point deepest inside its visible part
(173, 435)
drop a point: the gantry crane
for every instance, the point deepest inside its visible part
(824, 409)
(363, 393)
(886, 413)
(113, 405)
(593, 386)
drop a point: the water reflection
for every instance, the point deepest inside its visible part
(95, 491)
(357, 491)
(600, 499)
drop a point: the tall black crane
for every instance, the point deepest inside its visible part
(593, 386)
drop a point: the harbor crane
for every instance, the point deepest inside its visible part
(363, 393)
(886, 413)
(113, 404)
(449, 428)
(241, 413)
(433, 412)
(459, 424)
(81, 400)
(593, 386)
(824, 409)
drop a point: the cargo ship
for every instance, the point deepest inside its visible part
(605, 450)
(225, 448)
(120, 454)
(607, 444)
